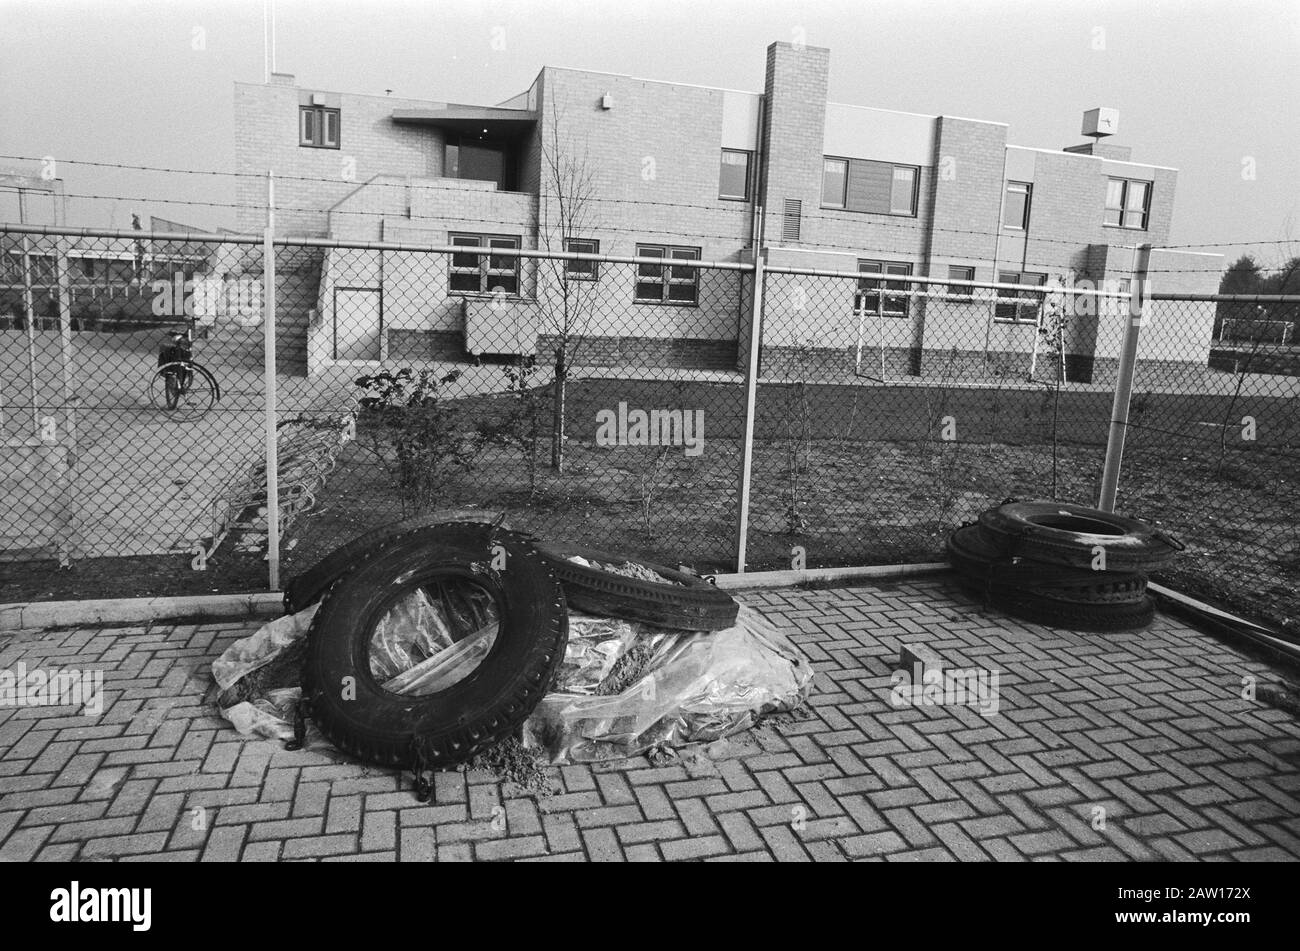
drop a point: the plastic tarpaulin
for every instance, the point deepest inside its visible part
(696, 688)
(689, 688)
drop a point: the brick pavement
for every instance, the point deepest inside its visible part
(1104, 747)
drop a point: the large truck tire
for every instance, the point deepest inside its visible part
(361, 718)
(306, 587)
(1074, 536)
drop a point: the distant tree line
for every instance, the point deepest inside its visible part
(1248, 321)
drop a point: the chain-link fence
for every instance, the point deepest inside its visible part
(132, 391)
(1216, 457)
(603, 399)
(452, 360)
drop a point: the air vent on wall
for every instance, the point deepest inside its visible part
(792, 219)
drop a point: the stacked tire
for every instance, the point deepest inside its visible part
(1061, 564)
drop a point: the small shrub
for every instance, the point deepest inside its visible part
(417, 438)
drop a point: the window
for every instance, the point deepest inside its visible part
(875, 294)
(902, 196)
(835, 180)
(481, 158)
(733, 179)
(1015, 212)
(660, 284)
(960, 274)
(582, 270)
(1018, 307)
(1128, 203)
(483, 272)
(318, 127)
(877, 187)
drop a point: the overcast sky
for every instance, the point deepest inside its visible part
(1207, 86)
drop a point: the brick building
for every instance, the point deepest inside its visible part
(680, 171)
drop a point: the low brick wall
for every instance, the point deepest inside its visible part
(405, 346)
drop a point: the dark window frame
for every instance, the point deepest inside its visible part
(959, 290)
(749, 175)
(592, 272)
(1013, 310)
(876, 289)
(1025, 212)
(319, 115)
(844, 192)
(1123, 209)
(666, 279)
(915, 202)
(483, 266)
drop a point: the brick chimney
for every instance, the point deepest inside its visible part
(794, 125)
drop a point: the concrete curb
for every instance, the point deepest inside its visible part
(788, 579)
(38, 615)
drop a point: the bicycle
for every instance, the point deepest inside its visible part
(181, 387)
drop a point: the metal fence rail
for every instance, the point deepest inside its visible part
(624, 402)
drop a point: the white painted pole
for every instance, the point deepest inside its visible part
(268, 341)
(68, 460)
(1133, 315)
(29, 318)
(751, 395)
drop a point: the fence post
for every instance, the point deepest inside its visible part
(268, 335)
(1124, 379)
(68, 462)
(751, 393)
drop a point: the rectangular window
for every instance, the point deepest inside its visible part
(880, 188)
(318, 127)
(1128, 203)
(874, 293)
(1018, 307)
(482, 272)
(667, 284)
(733, 178)
(1015, 212)
(902, 196)
(835, 180)
(582, 270)
(960, 274)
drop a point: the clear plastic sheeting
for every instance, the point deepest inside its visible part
(445, 668)
(684, 688)
(695, 688)
(259, 677)
(433, 638)
(260, 648)
(595, 645)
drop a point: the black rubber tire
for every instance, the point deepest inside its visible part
(691, 605)
(1067, 615)
(449, 726)
(306, 588)
(1061, 533)
(1079, 617)
(972, 556)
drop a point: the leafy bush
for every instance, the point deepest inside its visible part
(416, 437)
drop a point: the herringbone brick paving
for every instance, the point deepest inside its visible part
(1104, 747)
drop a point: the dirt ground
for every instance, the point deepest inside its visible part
(842, 498)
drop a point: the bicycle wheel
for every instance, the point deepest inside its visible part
(183, 390)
